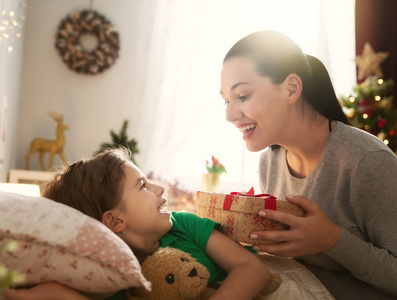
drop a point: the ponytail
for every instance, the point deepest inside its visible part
(322, 97)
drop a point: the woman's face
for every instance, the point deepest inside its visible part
(256, 106)
(142, 206)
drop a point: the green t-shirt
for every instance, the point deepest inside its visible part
(190, 234)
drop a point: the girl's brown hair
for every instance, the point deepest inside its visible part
(91, 186)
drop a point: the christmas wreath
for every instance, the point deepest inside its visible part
(77, 58)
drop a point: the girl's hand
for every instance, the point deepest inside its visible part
(311, 234)
(43, 291)
(247, 274)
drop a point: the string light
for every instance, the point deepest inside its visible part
(350, 112)
(370, 107)
(11, 23)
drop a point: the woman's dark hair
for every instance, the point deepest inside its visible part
(91, 186)
(323, 98)
(276, 56)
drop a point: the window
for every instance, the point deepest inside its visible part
(183, 121)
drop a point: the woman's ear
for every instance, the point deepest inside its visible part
(293, 84)
(113, 222)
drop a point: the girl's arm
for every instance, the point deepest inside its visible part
(247, 274)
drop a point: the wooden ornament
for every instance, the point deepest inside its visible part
(53, 147)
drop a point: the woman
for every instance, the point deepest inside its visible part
(345, 178)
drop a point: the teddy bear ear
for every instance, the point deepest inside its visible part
(167, 268)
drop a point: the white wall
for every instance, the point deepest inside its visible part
(91, 105)
(10, 83)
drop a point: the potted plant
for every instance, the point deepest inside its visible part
(211, 179)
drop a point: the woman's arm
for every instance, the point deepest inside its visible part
(373, 200)
(44, 291)
(49, 291)
(371, 259)
(247, 275)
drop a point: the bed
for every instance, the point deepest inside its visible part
(56, 242)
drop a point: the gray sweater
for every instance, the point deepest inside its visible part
(355, 183)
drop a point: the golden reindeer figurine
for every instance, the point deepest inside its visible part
(53, 146)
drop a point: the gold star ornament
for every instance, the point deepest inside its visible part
(368, 62)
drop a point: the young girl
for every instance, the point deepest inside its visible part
(110, 188)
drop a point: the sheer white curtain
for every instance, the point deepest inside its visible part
(181, 45)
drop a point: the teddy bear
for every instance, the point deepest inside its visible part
(176, 275)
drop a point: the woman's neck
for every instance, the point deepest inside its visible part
(306, 146)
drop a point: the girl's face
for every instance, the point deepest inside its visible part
(142, 205)
(255, 105)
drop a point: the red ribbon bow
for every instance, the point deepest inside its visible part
(270, 201)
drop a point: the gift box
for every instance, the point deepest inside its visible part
(238, 213)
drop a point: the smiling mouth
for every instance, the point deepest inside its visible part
(247, 129)
(162, 207)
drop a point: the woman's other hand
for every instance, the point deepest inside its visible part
(311, 234)
(43, 291)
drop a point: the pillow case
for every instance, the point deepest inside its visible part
(59, 243)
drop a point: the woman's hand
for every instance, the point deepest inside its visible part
(43, 291)
(311, 234)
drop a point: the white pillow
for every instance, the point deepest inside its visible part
(59, 243)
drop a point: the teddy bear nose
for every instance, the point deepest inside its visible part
(193, 273)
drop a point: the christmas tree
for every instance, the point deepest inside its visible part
(121, 140)
(370, 106)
